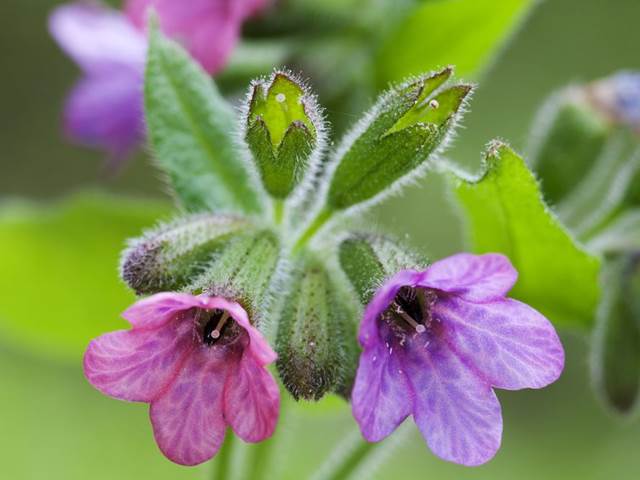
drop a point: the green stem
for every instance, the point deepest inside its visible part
(323, 216)
(278, 210)
(221, 464)
(345, 459)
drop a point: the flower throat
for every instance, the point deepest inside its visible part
(410, 310)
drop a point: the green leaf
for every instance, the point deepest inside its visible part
(464, 33)
(192, 132)
(59, 282)
(506, 214)
(615, 359)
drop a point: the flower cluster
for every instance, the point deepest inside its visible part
(104, 109)
(236, 286)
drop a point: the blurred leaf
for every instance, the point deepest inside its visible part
(506, 214)
(621, 235)
(191, 129)
(59, 281)
(464, 33)
(605, 186)
(615, 361)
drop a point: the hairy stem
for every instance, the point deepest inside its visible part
(323, 217)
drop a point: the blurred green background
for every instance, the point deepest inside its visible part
(55, 426)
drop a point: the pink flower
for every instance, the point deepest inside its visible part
(209, 29)
(200, 364)
(435, 344)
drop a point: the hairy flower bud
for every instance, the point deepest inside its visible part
(316, 340)
(242, 270)
(405, 127)
(615, 361)
(282, 129)
(569, 135)
(369, 260)
(166, 258)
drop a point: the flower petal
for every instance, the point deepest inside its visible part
(476, 278)
(511, 344)
(188, 422)
(381, 397)
(368, 333)
(136, 365)
(252, 401)
(457, 413)
(105, 111)
(208, 29)
(97, 38)
(158, 309)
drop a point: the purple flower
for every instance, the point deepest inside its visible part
(627, 89)
(435, 344)
(209, 29)
(104, 110)
(200, 364)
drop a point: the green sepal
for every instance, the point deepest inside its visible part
(191, 129)
(168, 257)
(615, 359)
(368, 260)
(397, 136)
(283, 124)
(316, 341)
(242, 271)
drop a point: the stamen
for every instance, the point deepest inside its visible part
(215, 333)
(419, 328)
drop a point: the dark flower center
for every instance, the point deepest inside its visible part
(216, 327)
(410, 311)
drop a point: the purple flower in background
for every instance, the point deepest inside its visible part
(200, 364)
(104, 109)
(435, 344)
(627, 88)
(209, 29)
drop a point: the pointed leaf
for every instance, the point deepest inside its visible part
(191, 129)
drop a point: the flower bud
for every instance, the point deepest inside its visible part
(369, 260)
(242, 270)
(615, 365)
(282, 129)
(576, 127)
(405, 127)
(316, 340)
(166, 259)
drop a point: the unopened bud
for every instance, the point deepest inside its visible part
(405, 127)
(282, 131)
(616, 341)
(167, 258)
(316, 341)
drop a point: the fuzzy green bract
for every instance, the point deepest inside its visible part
(506, 213)
(406, 126)
(191, 133)
(58, 276)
